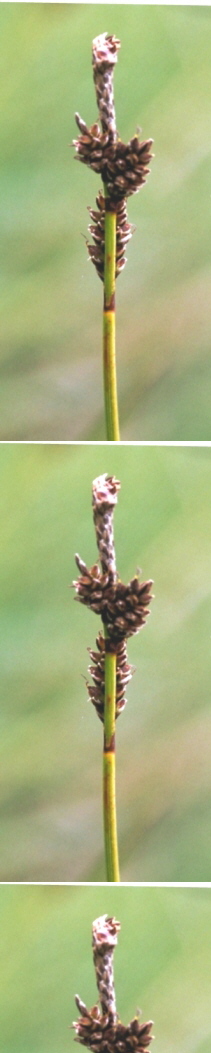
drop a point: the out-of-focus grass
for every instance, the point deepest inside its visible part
(51, 383)
(51, 740)
(162, 963)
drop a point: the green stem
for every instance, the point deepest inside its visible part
(109, 349)
(109, 780)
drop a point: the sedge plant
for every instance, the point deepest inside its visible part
(123, 610)
(123, 168)
(100, 1028)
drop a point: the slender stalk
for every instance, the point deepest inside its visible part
(109, 770)
(109, 335)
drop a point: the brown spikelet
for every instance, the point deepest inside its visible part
(105, 490)
(123, 166)
(127, 609)
(104, 57)
(104, 940)
(123, 608)
(124, 231)
(124, 673)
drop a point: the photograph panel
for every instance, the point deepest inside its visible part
(52, 738)
(51, 314)
(161, 964)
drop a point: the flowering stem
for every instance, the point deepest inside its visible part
(123, 609)
(109, 773)
(109, 351)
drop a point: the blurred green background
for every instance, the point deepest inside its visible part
(51, 373)
(51, 739)
(162, 963)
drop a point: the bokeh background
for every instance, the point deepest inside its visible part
(161, 964)
(51, 374)
(51, 739)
